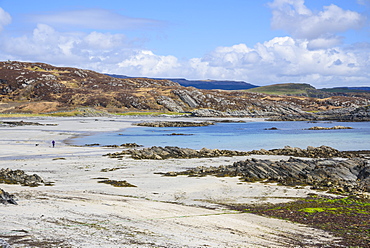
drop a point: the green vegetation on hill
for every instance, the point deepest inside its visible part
(284, 89)
(347, 89)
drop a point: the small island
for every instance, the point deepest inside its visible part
(328, 128)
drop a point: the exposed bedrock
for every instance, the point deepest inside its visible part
(19, 177)
(157, 152)
(6, 198)
(341, 176)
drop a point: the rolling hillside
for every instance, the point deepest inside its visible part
(284, 89)
(42, 88)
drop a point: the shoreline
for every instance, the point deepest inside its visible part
(160, 211)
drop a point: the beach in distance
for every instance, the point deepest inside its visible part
(82, 201)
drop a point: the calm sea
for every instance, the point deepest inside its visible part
(241, 136)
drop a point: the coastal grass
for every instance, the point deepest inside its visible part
(345, 217)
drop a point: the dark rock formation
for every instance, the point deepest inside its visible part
(351, 175)
(271, 128)
(24, 123)
(130, 145)
(6, 198)
(309, 152)
(167, 152)
(19, 177)
(178, 134)
(116, 183)
(329, 128)
(177, 152)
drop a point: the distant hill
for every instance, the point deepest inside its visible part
(214, 84)
(302, 89)
(346, 89)
(284, 89)
(204, 84)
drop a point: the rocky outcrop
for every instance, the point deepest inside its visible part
(351, 176)
(24, 123)
(116, 183)
(349, 114)
(309, 152)
(170, 104)
(19, 177)
(167, 152)
(262, 110)
(6, 198)
(175, 124)
(329, 128)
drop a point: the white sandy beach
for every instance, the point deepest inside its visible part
(160, 212)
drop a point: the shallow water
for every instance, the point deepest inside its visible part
(242, 136)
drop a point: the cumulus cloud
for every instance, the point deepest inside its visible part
(5, 19)
(146, 63)
(47, 44)
(94, 19)
(319, 27)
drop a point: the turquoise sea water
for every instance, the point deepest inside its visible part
(242, 136)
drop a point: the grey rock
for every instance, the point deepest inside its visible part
(19, 177)
(6, 198)
(4, 244)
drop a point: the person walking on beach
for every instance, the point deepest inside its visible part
(53, 143)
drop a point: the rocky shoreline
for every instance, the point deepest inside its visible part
(336, 176)
(350, 114)
(159, 153)
(327, 169)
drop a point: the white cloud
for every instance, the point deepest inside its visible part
(104, 41)
(5, 19)
(324, 42)
(94, 19)
(295, 18)
(146, 63)
(47, 44)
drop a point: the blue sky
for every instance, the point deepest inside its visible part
(322, 42)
